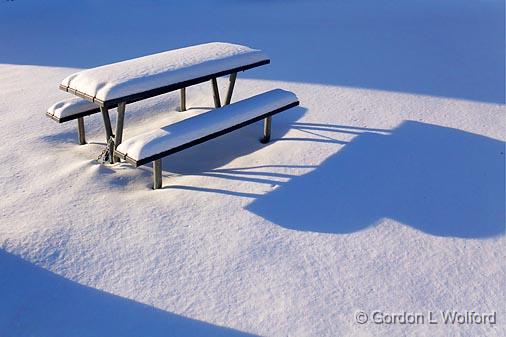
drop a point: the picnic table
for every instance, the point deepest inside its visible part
(116, 85)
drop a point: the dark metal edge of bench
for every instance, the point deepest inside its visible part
(76, 116)
(161, 90)
(149, 159)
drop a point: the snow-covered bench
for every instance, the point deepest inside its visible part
(121, 83)
(154, 145)
(71, 109)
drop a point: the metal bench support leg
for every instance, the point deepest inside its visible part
(216, 93)
(157, 174)
(267, 130)
(80, 131)
(231, 85)
(119, 128)
(183, 100)
(107, 123)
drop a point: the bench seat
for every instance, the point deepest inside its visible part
(159, 143)
(70, 109)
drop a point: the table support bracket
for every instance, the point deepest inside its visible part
(231, 85)
(216, 93)
(119, 128)
(107, 123)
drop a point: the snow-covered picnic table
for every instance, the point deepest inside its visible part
(118, 84)
(115, 85)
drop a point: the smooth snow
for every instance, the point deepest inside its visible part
(171, 136)
(154, 71)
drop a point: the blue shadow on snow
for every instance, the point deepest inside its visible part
(442, 181)
(36, 302)
(452, 48)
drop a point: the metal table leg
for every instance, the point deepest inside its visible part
(80, 131)
(183, 99)
(267, 130)
(157, 174)
(107, 123)
(216, 93)
(108, 132)
(231, 85)
(119, 128)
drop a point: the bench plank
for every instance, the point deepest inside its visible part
(173, 138)
(70, 109)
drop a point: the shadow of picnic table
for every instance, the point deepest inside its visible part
(442, 181)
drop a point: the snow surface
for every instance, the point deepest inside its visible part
(156, 141)
(154, 71)
(392, 169)
(70, 107)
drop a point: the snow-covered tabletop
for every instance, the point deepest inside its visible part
(121, 79)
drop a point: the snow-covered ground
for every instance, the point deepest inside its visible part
(383, 191)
